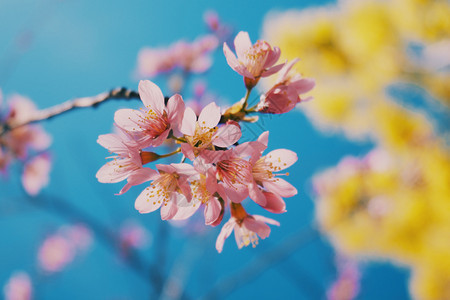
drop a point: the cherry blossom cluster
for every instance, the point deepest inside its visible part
(194, 57)
(221, 172)
(27, 144)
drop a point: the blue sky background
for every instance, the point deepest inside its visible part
(81, 48)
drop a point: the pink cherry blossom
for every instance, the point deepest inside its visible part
(59, 249)
(265, 180)
(346, 286)
(55, 253)
(169, 188)
(246, 228)
(205, 192)
(23, 138)
(151, 125)
(127, 164)
(154, 61)
(36, 174)
(133, 235)
(18, 287)
(285, 94)
(23, 142)
(191, 57)
(79, 235)
(203, 134)
(252, 61)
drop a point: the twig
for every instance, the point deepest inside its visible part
(261, 263)
(46, 114)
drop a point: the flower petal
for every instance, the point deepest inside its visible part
(129, 119)
(242, 43)
(151, 95)
(260, 228)
(280, 159)
(274, 203)
(169, 209)
(146, 202)
(227, 135)
(189, 122)
(225, 232)
(234, 63)
(138, 177)
(210, 116)
(175, 110)
(186, 209)
(256, 194)
(212, 210)
(266, 220)
(280, 187)
(272, 70)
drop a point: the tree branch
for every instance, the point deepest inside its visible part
(46, 114)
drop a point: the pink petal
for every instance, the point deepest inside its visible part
(158, 141)
(284, 72)
(169, 209)
(129, 119)
(235, 64)
(303, 85)
(40, 140)
(280, 159)
(188, 151)
(111, 173)
(264, 138)
(175, 110)
(236, 195)
(184, 169)
(151, 95)
(138, 177)
(256, 194)
(210, 116)
(280, 187)
(166, 168)
(112, 142)
(225, 232)
(274, 204)
(212, 210)
(266, 220)
(36, 174)
(273, 57)
(186, 209)
(189, 122)
(145, 204)
(227, 135)
(272, 70)
(201, 64)
(261, 228)
(185, 188)
(242, 43)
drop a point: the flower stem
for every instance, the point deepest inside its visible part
(171, 153)
(247, 95)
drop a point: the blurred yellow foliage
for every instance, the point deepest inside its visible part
(395, 202)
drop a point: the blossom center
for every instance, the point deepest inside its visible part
(234, 171)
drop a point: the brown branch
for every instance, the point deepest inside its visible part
(48, 113)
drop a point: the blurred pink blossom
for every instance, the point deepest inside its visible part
(60, 249)
(18, 287)
(193, 57)
(346, 286)
(36, 174)
(133, 235)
